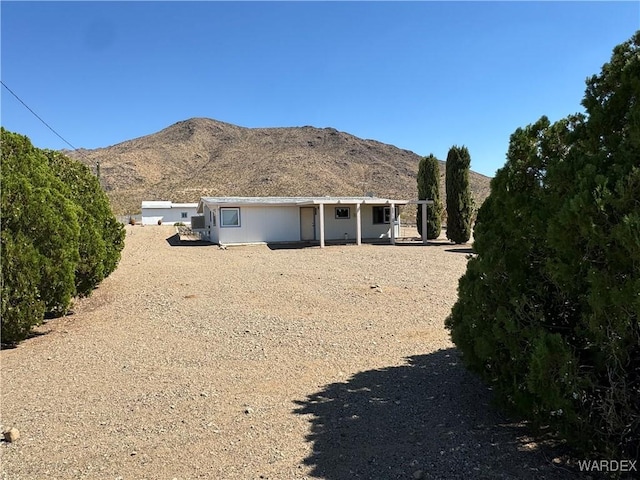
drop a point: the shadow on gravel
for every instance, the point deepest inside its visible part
(33, 334)
(291, 245)
(174, 241)
(429, 419)
(461, 248)
(328, 243)
(467, 250)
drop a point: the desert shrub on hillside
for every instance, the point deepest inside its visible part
(548, 309)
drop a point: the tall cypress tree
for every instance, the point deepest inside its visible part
(459, 199)
(429, 189)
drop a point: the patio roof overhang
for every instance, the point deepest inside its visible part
(293, 201)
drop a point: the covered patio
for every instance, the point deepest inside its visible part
(312, 220)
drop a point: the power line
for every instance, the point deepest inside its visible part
(49, 126)
(36, 115)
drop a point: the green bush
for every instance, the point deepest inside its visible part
(458, 192)
(59, 238)
(429, 189)
(101, 236)
(22, 307)
(36, 211)
(548, 309)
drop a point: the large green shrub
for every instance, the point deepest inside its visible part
(548, 309)
(458, 192)
(429, 189)
(101, 236)
(59, 239)
(36, 211)
(22, 306)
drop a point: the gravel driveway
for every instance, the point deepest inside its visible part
(257, 363)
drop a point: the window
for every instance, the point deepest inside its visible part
(229, 217)
(183, 214)
(343, 212)
(383, 214)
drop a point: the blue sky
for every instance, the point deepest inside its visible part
(419, 75)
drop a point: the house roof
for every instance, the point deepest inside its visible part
(166, 204)
(294, 201)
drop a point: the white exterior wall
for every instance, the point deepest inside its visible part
(374, 230)
(211, 231)
(169, 216)
(281, 223)
(151, 217)
(262, 224)
(336, 228)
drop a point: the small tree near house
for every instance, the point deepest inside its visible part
(429, 189)
(459, 199)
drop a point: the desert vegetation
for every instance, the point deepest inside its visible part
(59, 237)
(459, 199)
(549, 305)
(547, 314)
(429, 189)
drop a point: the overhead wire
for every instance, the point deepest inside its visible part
(50, 127)
(36, 115)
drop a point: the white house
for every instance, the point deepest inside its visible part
(167, 212)
(240, 220)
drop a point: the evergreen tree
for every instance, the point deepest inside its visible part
(548, 309)
(459, 199)
(429, 189)
(22, 305)
(40, 227)
(47, 259)
(101, 236)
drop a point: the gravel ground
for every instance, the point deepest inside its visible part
(257, 363)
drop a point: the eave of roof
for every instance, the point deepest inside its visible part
(156, 204)
(297, 201)
(166, 204)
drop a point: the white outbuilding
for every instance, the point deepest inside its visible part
(167, 213)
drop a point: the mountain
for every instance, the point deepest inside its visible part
(204, 157)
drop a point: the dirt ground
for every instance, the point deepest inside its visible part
(260, 363)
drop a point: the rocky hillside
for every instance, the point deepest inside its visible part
(204, 157)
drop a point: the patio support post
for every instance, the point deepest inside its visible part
(321, 208)
(392, 221)
(358, 225)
